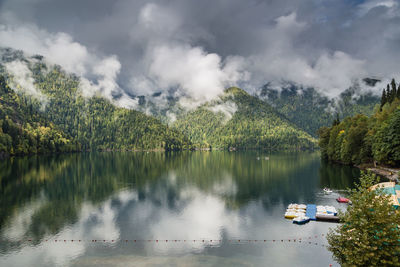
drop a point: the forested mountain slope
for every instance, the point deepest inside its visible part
(239, 120)
(361, 139)
(310, 110)
(57, 117)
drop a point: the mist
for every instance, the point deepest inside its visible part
(193, 50)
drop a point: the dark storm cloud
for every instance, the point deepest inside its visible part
(200, 47)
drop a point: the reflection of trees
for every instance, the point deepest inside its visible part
(337, 176)
(285, 176)
(66, 181)
(63, 183)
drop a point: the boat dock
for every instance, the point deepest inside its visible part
(311, 212)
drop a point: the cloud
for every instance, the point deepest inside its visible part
(197, 75)
(228, 109)
(193, 49)
(365, 7)
(98, 74)
(22, 80)
(329, 72)
(58, 48)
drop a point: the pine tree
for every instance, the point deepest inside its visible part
(336, 121)
(398, 92)
(394, 91)
(383, 98)
(388, 94)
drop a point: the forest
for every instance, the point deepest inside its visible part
(254, 124)
(68, 122)
(310, 110)
(62, 119)
(362, 139)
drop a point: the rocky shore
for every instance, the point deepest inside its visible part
(388, 172)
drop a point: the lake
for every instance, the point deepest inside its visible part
(165, 209)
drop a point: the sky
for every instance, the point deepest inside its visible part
(195, 49)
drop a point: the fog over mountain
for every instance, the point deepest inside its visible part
(195, 49)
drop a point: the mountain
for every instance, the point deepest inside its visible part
(238, 120)
(310, 110)
(362, 139)
(43, 109)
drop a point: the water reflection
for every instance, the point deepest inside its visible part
(192, 195)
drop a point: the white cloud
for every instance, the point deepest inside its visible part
(58, 48)
(22, 80)
(169, 47)
(171, 62)
(330, 73)
(227, 108)
(98, 74)
(365, 7)
(196, 73)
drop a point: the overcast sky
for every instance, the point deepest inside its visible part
(198, 48)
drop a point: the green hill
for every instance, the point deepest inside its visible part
(362, 139)
(310, 110)
(238, 120)
(59, 118)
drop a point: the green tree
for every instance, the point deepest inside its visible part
(394, 91)
(369, 234)
(383, 99)
(388, 94)
(392, 137)
(336, 121)
(398, 92)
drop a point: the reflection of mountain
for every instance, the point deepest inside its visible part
(64, 183)
(91, 192)
(249, 176)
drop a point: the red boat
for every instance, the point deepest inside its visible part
(343, 200)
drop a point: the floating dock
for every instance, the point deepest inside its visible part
(311, 211)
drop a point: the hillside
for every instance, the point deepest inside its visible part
(310, 111)
(362, 139)
(54, 116)
(238, 120)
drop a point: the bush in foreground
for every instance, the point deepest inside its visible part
(369, 234)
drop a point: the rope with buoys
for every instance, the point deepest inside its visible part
(300, 240)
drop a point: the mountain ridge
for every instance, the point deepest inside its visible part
(74, 122)
(254, 124)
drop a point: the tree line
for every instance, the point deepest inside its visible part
(361, 139)
(68, 121)
(254, 125)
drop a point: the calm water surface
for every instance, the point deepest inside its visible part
(189, 196)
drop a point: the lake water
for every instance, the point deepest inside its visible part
(135, 205)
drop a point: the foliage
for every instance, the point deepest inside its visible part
(361, 139)
(68, 121)
(310, 110)
(59, 186)
(23, 130)
(254, 124)
(64, 119)
(369, 234)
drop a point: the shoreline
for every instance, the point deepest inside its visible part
(389, 173)
(4, 155)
